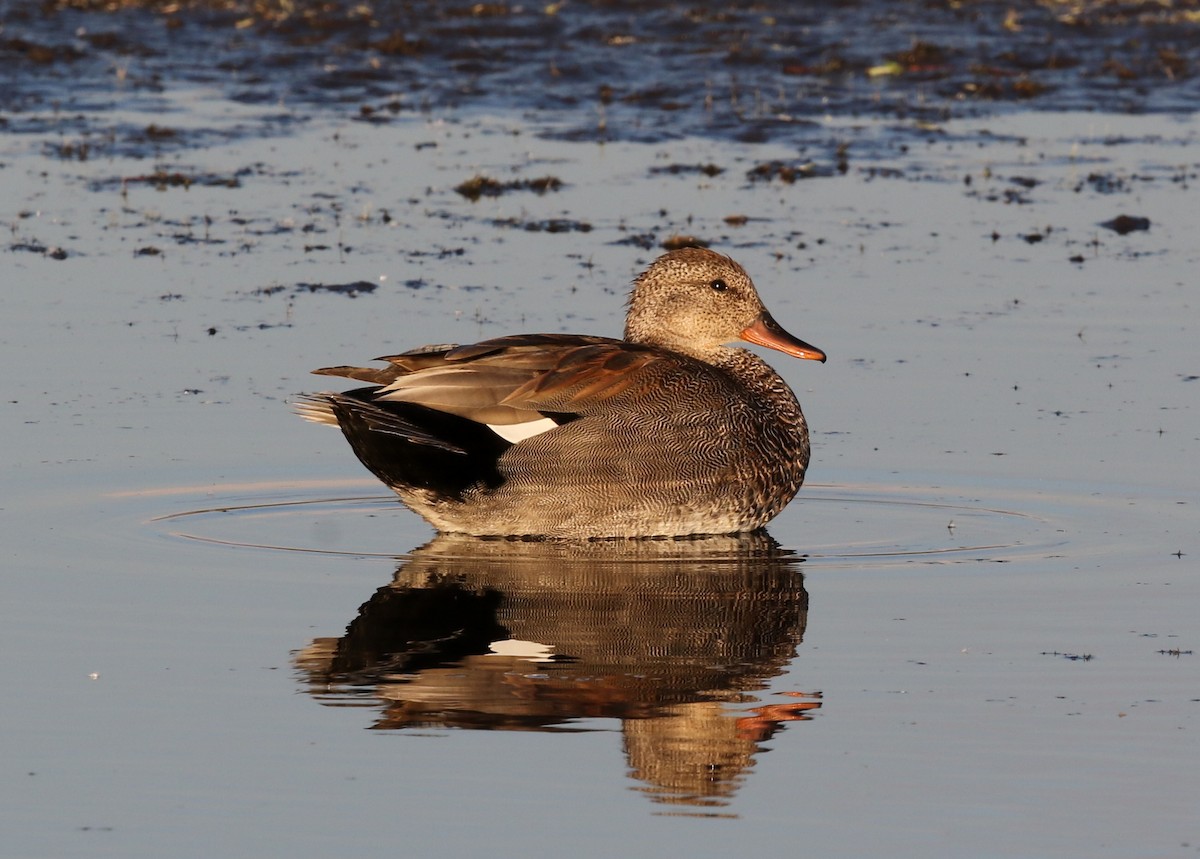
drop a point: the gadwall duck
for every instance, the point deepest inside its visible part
(666, 433)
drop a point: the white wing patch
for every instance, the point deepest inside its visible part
(519, 432)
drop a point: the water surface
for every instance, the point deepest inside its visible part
(972, 633)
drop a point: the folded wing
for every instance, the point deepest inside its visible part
(517, 379)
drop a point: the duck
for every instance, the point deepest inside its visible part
(668, 432)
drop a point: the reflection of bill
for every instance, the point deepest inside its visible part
(669, 636)
(762, 722)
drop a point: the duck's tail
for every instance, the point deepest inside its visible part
(408, 446)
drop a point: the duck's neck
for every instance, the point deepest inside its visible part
(755, 373)
(760, 377)
(716, 354)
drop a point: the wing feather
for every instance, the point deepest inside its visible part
(521, 378)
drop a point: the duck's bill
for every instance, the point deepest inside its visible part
(767, 332)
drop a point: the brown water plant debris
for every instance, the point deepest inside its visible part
(1124, 224)
(677, 241)
(350, 290)
(485, 186)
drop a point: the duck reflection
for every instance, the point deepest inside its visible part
(671, 637)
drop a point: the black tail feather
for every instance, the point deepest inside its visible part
(408, 445)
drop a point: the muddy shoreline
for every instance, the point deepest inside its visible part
(646, 71)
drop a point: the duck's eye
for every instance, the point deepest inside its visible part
(719, 285)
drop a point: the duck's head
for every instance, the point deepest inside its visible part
(695, 301)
